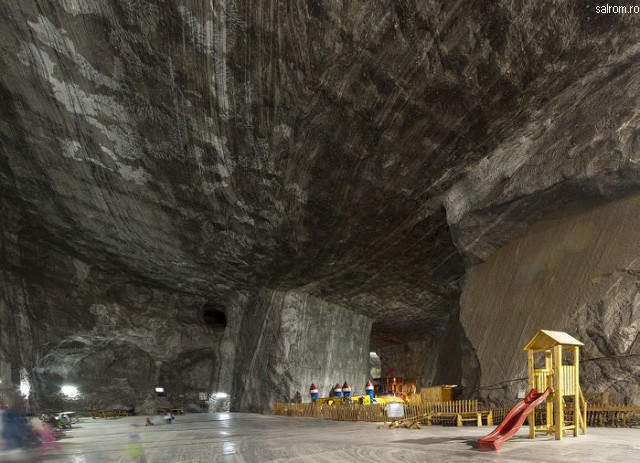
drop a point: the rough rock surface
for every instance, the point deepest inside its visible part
(575, 272)
(198, 156)
(291, 340)
(68, 323)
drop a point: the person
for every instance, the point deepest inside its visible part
(134, 447)
(51, 421)
(168, 417)
(64, 421)
(47, 438)
(148, 422)
(15, 429)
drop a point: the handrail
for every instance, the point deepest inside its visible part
(583, 408)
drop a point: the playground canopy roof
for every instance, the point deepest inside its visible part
(546, 339)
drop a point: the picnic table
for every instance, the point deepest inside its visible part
(114, 412)
(175, 411)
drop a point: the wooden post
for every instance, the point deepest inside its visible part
(559, 391)
(548, 365)
(532, 384)
(577, 416)
(584, 413)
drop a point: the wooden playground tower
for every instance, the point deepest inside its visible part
(563, 379)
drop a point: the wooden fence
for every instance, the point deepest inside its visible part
(609, 415)
(332, 412)
(614, 416)
(499, 414)
(374, 413)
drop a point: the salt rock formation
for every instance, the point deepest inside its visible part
(577, 272)
(244, 198)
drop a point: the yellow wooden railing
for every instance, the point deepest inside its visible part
(616, 416)
(454, 411)
(593, 415)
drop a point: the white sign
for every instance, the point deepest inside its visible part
(395, 410)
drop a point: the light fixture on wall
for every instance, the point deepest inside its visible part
(71, 392)
(25, 384)
(160, 391)
(25, 388)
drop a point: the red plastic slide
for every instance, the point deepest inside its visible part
(514, 419)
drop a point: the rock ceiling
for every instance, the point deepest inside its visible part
(362, 152)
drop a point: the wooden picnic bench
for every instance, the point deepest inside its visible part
(456, 412)
(459, 411)
(175, 411)
(114, 412)
(97, 413)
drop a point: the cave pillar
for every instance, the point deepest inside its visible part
(289, 340)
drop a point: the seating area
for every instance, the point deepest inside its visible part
(450, 412)
(109, 413)
(459, 411)
(115, 412)
(59, 420)
(175, 411)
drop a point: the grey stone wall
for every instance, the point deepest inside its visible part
(158, 157)
(66, 322)
(290, 340)
(576, 271)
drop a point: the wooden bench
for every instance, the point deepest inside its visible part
(108, 413)
(175, 411)
(487, 415)
(100, 413)
(456, 412)
(459, 411)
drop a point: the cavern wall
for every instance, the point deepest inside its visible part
(405, 360)
(165, 160)
(289, 340)
(64, 322)
(452, 360)
(577, 270)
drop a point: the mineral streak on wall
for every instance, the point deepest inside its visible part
(576, 271)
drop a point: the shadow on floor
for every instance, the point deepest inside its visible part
(472, 443)
(432, 440)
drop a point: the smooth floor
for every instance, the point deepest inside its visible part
(243, 437)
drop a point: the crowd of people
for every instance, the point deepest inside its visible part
(20, 432)
(28, 433)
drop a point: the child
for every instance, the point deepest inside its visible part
(47, 439)
(134, 448)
